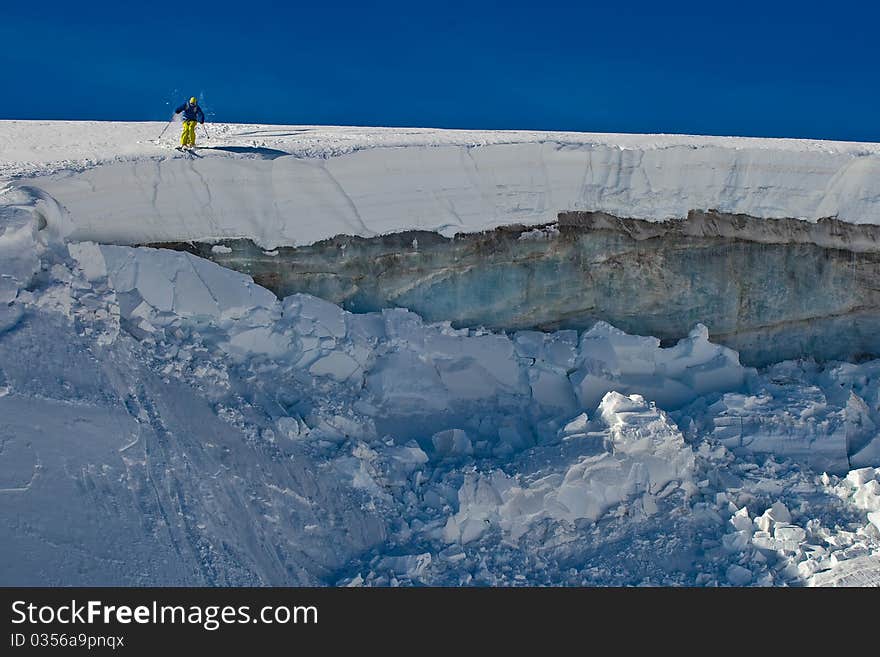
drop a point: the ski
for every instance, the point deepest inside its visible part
(189, 152)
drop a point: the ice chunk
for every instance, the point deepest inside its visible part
(556, 350)
(738, 576)
(793, 421)
(412, 566)
(183, 285)
(791, 535)
(741, 521)
(861, 432)
(452, 442)
(615, 406)
(649, 455)
(336, 364)
(244, 343)
(777, 513)
(610, 359)
(576, 427)
(328, 317)
(408, 383)
(551, 389)
(479, 500)
(410, 457)
(867, 496)
(20, 243)
(89, 258)
(736, 541)
(860, 476)
(291, 427)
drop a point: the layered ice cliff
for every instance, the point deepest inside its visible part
(772, 244)
(771, 289)
(166, 420)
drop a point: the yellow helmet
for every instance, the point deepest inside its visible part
(193, 101)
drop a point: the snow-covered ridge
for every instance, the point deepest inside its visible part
(293, 185)
(38, 147)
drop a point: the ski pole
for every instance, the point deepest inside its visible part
(164, 129)
(207, 136)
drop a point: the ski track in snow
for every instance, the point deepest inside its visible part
(166, 421)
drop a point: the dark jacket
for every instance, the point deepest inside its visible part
(191, 112)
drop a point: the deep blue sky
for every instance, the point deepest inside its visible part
(798, 69)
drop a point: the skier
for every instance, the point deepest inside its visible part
(191, 114)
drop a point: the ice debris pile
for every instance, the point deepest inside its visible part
(406, 374)
(807, 549)
(827, 416)
(276, 441)
(633, 450)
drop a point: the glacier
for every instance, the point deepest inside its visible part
(771, 289)
(772, 244)
(168, 420)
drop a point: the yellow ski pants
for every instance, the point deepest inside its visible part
(188, 136)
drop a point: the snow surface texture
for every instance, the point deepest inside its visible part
(294, 185)
(187, 427)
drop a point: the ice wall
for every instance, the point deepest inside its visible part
(759, 260)
(772, 289)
